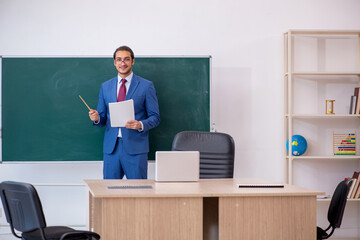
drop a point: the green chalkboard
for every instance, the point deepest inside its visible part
(43, 118)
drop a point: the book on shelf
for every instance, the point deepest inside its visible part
(357, 104)
(353, 181)
(356, 184)
(356, 94)
(357, 192)
(352, 104)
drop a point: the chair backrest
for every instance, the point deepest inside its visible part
(22, 206)
(217, 151)
(338, 203)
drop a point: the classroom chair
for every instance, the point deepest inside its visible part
(217, 152)
(336, 209)
(24, 213)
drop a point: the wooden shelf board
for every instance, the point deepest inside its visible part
(329, 199)
(346, 238)
(323, 32)
(338, 157)
(324, 115)
(324, 73)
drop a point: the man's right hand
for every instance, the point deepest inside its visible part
(94, 115)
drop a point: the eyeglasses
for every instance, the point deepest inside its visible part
(125, 60)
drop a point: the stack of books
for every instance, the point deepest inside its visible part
(354, 192)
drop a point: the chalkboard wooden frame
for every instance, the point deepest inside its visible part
(44, 120)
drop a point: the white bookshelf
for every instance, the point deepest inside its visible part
(320, 65)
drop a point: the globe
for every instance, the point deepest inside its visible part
(298, 145)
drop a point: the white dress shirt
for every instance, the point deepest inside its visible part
(127, 86)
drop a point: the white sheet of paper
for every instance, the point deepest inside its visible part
(121, 112)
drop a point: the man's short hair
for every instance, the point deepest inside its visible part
(125, 48)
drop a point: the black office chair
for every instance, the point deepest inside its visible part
(24, 213)
(336, 209)
(217, 152)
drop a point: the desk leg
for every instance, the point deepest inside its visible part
(271, 218)
(95, 215)
(91, 214)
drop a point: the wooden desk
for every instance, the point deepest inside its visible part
(182, 211)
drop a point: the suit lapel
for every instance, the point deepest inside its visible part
(113, 89)
(133, 86)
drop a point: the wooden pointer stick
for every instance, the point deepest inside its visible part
(84, 102)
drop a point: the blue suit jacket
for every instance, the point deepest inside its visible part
(146, 109)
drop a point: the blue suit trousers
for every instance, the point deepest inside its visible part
(120, 163)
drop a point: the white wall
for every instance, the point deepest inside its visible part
(243, 37)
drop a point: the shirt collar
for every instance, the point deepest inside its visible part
(128, 78)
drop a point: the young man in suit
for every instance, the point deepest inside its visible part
(126, 148)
